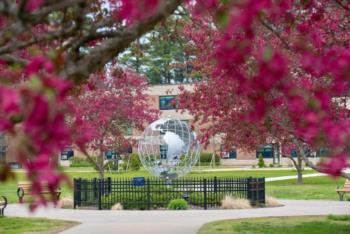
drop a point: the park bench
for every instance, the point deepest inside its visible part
(25, 187)
(3, 204)
(341, 191)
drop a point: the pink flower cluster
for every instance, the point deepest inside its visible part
(274, 68)
(33, 5)
(38, 106)
(277, 73)
(136, 10)
(105, 112)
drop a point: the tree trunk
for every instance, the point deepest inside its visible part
(300, 176)
(298, 166)
(300, 169)
(101, 173)
(101, 168)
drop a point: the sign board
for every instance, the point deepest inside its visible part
(138, 181)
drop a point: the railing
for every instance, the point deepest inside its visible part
(153, 193)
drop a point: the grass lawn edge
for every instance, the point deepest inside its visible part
(59, 225)
(209, 226)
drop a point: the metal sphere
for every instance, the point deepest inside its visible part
(167, 148)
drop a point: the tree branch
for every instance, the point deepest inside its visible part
(38, 15)
(91, 160)
(340, 3)
(109, 49)
(93, 36)
(11, 59)
(273, 30)
(292, 159)
(313, 166)
(15, 45)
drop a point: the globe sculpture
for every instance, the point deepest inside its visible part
(168, 148)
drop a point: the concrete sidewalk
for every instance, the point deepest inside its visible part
(279, 178)
(171, 222)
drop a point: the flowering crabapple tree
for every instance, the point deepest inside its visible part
(106, 107)
(48, 49)
(281, 71)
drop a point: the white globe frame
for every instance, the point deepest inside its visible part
(179, 158)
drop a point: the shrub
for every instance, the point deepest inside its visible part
(117, 206)
(134, 164)
(272, 202)
(137, 201)
(271, 165)
(79, 162)
(65, 203)
(205, 159)
(177, 204)
(230, 202)
(261, 162)
(112, 166)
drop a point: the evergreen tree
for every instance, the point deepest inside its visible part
(161, 54)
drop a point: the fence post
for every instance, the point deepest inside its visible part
(205, 193)
(249, 189)
(215, 184)
(262, 191)
(95, 187)
(99, 191)
(77, 193)
(109, 185)
(148, 194)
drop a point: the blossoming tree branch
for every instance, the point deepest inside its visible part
(281, 68)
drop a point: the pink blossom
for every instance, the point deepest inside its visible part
(35, 65)
(33, 5)
(9, 100)
(134, 10)
(335, 165)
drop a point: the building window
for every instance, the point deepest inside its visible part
(323, 152)
(232, 154)
(307, 152)
(67, 153)
(167, 102)
(265, 151)
(229, 155)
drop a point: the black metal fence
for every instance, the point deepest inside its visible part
(145, 194)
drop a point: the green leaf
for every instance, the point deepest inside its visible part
(35, 83)
(267, 54)
(222, 18)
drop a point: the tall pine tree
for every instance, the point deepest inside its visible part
(161, 55)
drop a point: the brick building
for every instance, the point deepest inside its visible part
(161, 97)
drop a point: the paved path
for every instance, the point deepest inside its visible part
(171, 222)
(242, 168)
(269, 179)
(278, 178)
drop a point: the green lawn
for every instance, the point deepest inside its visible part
(11, 225)
(314, 188)
(290, 225)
